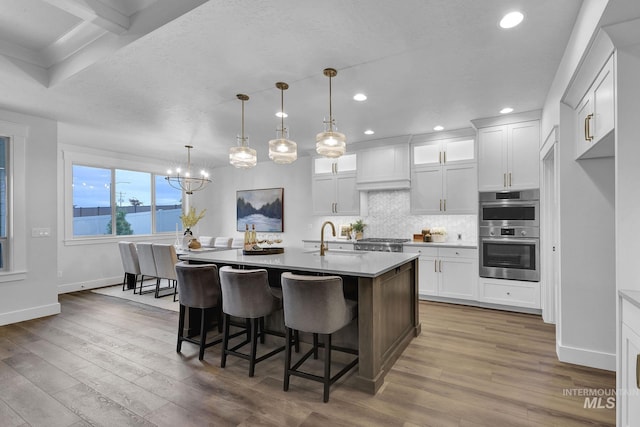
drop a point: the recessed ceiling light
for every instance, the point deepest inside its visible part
(281, 114)
(360, 97)
(506, 110)
(369, 132)
(438, 128)
(511, 19)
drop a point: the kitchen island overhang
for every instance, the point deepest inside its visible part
(387, 297)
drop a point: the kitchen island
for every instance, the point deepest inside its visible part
(387, 292)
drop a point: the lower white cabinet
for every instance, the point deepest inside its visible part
(341, 246)
(447, 272)
(629, 376)
(514, 293)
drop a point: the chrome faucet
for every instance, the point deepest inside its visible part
(323, 249)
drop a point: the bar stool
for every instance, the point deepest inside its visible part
(247, 294)
(316, 304)
(199, 287)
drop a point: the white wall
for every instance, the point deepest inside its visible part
(36, 295)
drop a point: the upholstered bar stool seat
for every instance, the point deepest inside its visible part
(316, 304)
(247, 294)
(198, 287)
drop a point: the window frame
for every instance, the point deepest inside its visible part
(72, 157)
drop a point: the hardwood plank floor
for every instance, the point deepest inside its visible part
(108, 361)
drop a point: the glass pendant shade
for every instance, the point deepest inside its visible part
(330, 143)
(282, 150)
(242, 156)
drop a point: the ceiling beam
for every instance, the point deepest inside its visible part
(96, 12)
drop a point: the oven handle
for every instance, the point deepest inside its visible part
(509, 240)
(506, 204)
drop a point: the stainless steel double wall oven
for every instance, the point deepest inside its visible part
(509, 235)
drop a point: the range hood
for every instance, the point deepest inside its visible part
(384, 164)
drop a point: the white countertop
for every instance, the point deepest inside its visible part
(452, 244)
(348, 263)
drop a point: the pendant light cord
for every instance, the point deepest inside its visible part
(330, 110)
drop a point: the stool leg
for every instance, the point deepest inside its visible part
(180, 328)
(327, 366)
(225, 341)
(203, 333)
(315, 346)
(219, 316)
(261, 330)
(287, 359)
(254, 344)
(296, 337)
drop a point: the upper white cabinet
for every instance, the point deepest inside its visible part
(443, 177)
(595, 117)
(508, 156)
(334, 186)
(383, 167)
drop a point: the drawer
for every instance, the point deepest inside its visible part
(510, 292)
(422, 250)
(339, 245)
(311, 245)
(457, 253)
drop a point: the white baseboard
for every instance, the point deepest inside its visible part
(29, 313)
(91, 284)
(593, 359)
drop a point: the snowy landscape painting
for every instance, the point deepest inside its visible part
(262, 208)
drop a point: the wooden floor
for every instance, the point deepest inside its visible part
(108, 361)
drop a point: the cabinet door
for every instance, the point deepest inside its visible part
(458, 278)
(492, 158)
(428, 275)
(323, 165)
(460, 189)
(524, 155)
(630, 396)
(426, 190)
(346, 163)
(324, 195)
(458, 151)
(427, 154)
(347, 197)
(603, 106)
(343, 246)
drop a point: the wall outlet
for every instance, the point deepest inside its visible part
(41, 232)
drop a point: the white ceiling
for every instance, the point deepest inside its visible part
(166, 73)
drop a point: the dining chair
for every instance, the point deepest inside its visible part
(237, 243)
(165, 258)
(147, 264)
(130, 263)
(222, 242)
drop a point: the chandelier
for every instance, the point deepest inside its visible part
(242, 156)
(330, 143)
(282, 150)
(185, 182)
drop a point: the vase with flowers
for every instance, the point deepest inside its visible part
(189, 220)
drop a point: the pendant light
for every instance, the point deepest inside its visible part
(184, 181)
(282, 150)
(330, 143)
(242, 156)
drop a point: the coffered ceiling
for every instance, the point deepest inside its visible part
(149, 76)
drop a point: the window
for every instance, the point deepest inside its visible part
(136, 202)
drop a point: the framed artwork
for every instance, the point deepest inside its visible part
(345, 229)
(263, 208)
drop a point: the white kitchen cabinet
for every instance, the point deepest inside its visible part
(508, 156)
(595, 117)
(447, 272)
(629, 352)
(444, 177)
(383, 168)
(513, 293)
(343, 246)
(334, 186)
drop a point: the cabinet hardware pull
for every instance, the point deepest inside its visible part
(444, 157)
(435, 265)
(445, 205)
(638, 371)
(336, 167)
(440, 266)
(504, 180)
(440, 157)
(509, 179)
(587, 128)
(441, 204)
